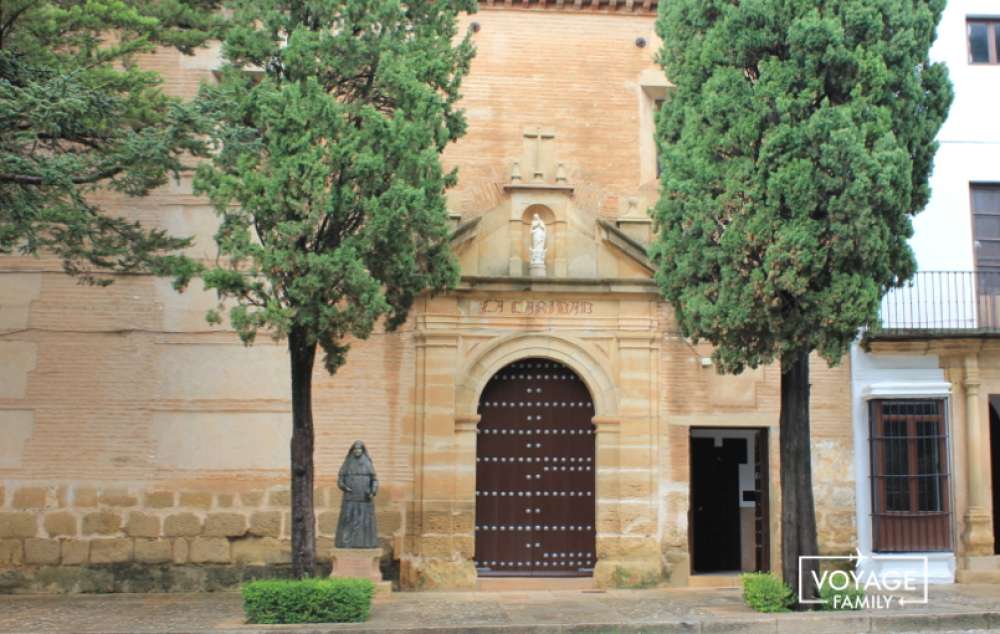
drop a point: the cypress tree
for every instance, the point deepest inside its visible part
(78, 116)
(795, 150)
(328, 123)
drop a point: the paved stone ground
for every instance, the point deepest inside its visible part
(952, 609)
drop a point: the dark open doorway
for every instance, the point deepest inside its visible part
(729, 518)
(995, 462)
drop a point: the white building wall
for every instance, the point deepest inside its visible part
(969, 152)
(969, 145)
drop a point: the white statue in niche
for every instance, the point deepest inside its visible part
(537, 241)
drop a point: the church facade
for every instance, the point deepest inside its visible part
(545, 418)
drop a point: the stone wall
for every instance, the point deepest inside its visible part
(108, 535)
(695, 395)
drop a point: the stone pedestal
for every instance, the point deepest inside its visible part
(360, 563)
(978, 532)
(537, 269)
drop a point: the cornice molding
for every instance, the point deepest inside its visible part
(625, 7)
(633, 249)
(574, 285)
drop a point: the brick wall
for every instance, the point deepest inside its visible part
(136, 433)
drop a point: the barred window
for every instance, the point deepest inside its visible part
(909, 458)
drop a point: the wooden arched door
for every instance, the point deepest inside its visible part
(535, 473)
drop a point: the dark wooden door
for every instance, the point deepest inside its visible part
(761, 508)
(995, 462)
(535, 473)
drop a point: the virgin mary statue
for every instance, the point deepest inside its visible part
(356, 526)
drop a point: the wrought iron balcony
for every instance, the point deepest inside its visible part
(943, 304)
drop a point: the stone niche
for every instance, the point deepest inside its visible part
(554, 229)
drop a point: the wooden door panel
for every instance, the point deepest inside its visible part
(535, 473)
(762, 513)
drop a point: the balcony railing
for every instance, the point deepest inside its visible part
(942, 303)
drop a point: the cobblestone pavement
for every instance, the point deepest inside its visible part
(951, 608)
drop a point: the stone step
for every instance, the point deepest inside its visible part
(514, 584)
(977, 576)
(980, 562)
(714, 581)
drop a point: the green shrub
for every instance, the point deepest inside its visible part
(764, 592)
(850, 597)
(340, 600)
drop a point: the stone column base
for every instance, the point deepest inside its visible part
(627, 573)
(678, 564)
(980, 562)
(360, 563)
(978, 538)
(432, 573)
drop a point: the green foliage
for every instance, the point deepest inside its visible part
(327, 174)
(78, 115)
(339, 600)
(764, 592)
(795, 150)
(847, 599)
(327, 127)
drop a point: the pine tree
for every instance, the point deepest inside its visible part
(330, 117)
(795, 150)
(77, 116)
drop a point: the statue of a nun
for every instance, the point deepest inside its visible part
(356, 526)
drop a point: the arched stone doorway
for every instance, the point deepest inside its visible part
(535, 472)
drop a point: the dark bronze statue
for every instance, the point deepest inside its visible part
(356, 526)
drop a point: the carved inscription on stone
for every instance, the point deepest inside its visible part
(535, 307)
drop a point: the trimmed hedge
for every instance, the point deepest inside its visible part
(338, 600)
(764, 592)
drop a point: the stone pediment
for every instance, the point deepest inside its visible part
(573, 238)
(581, 244)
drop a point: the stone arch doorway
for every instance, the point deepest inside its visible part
(535, 473)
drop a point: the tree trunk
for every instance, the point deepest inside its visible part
(303, 353)
(798, 513)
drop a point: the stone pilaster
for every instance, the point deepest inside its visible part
(608, 502)
(978, 536)
(438, 551)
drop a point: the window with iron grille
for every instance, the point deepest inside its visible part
(910, 480)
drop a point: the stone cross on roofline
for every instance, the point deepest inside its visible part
(538, 135)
